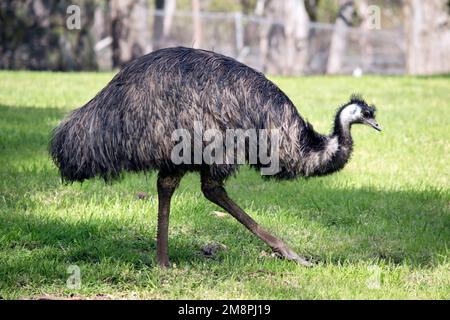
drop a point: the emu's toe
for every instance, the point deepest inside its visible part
(288, 254)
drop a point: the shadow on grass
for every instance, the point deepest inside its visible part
(26, 130)
(398, 226)
(84, 241)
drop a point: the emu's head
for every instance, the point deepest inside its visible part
(358, 111)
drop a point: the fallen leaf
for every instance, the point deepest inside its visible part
(219, 214)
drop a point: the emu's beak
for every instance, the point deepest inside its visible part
(373, 124)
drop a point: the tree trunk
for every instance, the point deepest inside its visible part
(34, 35)
(198, 31)
(338, 47)
(428, 36)
(367, 52)
(163, 22)
(311, 7)
(169, 11)
(287, 38)
(102, 36)
(158, 25)
(129, 24)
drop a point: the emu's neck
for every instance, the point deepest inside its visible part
(333, 151)
(341, 130)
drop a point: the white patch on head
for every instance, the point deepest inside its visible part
(350, 114)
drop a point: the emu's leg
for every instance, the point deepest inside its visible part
(215, 192)
(167, 183)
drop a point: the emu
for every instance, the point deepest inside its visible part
(128, 126)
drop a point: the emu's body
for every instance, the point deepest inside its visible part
(129, 124)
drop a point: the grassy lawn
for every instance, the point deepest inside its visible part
(385, 217)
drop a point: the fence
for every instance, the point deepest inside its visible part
(243, 37)
(264, 44)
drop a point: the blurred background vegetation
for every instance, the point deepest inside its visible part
(289, 37)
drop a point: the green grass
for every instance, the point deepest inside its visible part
(388, 209)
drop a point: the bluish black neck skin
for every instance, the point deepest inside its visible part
(339, 159)
(342, 133)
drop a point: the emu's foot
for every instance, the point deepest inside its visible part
(288, 254)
